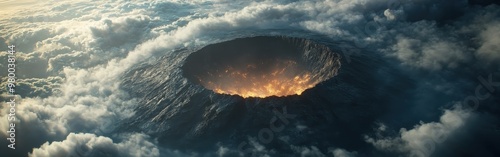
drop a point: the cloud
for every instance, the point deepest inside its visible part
(38, 66)
(393, 14)
(82, 144)
(424, 137)
(35, 87)
(426, 44)
(308, 151)
(29, 37)
(73, 55)
(83, 103)
(433, 54)
(120, 31)
(342, 153)
(490, 41)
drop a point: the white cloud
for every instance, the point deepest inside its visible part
(308, 151)
(35, 87)
(391, 15)
(342, 153)
(86, 47)
(120, 31)
(423, 139)
(431, 54)
(133, 145)
(490, 38)
(428, 45)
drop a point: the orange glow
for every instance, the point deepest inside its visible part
(285, 78)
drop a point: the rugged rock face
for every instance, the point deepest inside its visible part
(183, 114)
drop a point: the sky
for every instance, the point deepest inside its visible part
(102, 78)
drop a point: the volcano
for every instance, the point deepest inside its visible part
(195, 99)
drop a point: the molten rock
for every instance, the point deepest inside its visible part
(262, 66)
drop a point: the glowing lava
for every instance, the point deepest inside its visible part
(285, 78)
(261, 66)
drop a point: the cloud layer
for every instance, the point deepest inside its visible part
(72, 57)
(423, 138)
(92, 145)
